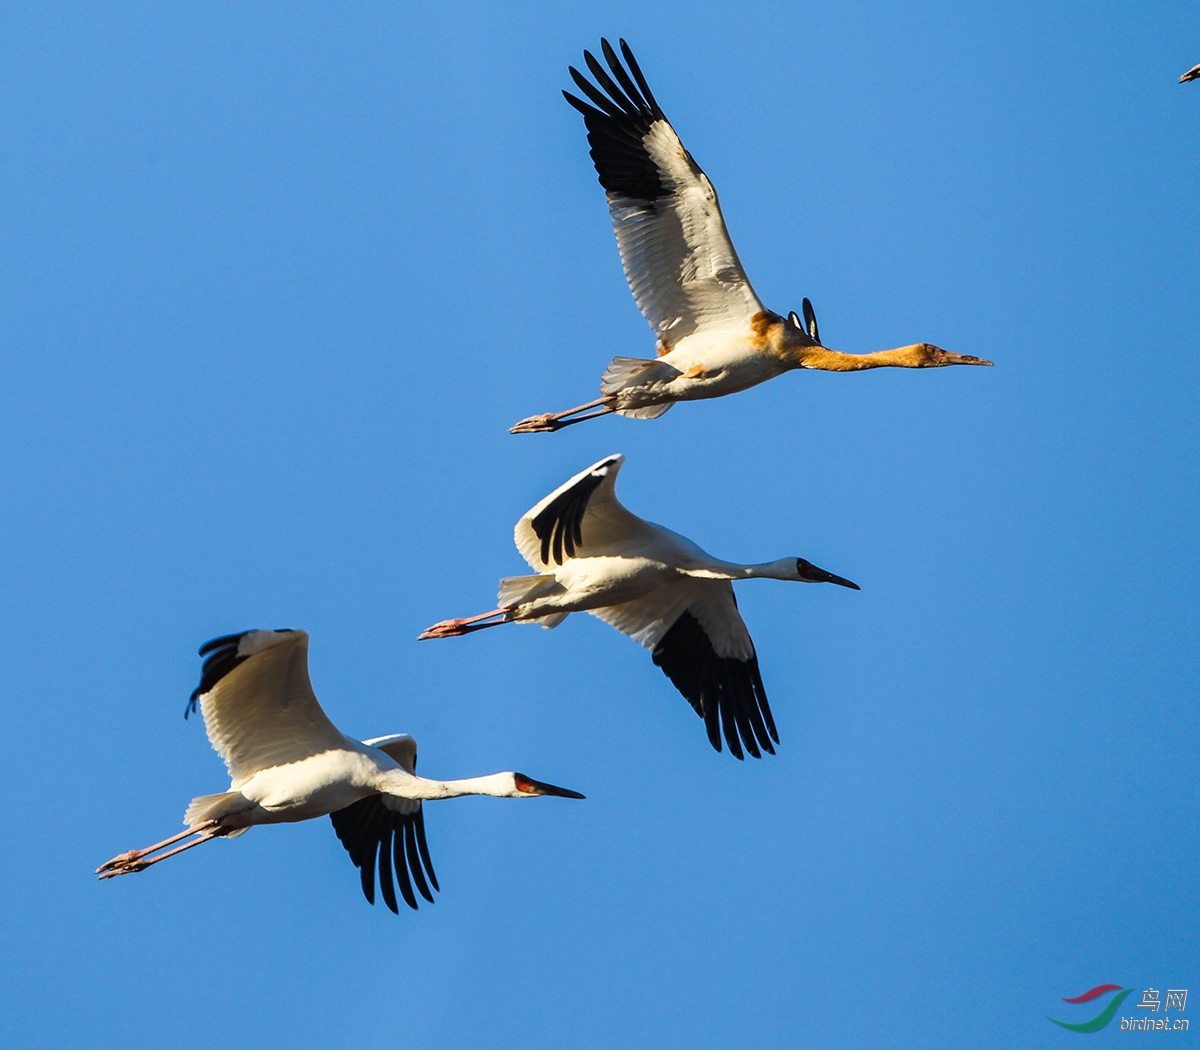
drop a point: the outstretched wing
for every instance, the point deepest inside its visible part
(579, 518)
(680, 264)
(391, 830)
(258, 704)
(699, 639)
(375, 828)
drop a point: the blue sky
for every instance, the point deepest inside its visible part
(276, 278)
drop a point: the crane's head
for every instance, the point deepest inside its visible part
(926, 355)
(526, 787)
(807, 572)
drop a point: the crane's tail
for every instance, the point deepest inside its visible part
(217, 807)
(646, 412)
(625, 372)
(514, 590)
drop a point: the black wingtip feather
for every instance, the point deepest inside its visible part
(595, 96)
(726, 692)
(423, 846)
(371, 834)
(217, 643)
(414, 862)
(386, 885)
(627, 106)
(223, 657)
(623, 78)
(401, 868)
(560, 524)
(636, 70)
(617, 125)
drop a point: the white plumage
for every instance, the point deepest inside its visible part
(288, 762)
(682, 268)
(592, 555)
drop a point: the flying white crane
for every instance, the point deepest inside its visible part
(1191, 74)
(593, 555)
(289, 762)
(714, 335)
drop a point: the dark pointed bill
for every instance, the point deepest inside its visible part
(809, 572)
(536, 787)
(963, 359)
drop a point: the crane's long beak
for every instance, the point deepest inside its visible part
(536, 787)
(963, 359)
(811, 574)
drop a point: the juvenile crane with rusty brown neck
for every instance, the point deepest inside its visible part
(714, 336)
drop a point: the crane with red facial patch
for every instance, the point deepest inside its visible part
(288, 762)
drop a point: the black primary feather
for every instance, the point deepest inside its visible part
(371, 832)
(726, 692)
(621, 112)
(223, 657)
(559, 525)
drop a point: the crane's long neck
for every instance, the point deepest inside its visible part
(797, 350)
(715, 569)
(826, 360)
(400, 782)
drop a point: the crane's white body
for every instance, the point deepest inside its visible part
(621, 559)
(311, 787)
(672, 597)
(324, 783)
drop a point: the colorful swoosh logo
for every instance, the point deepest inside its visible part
(1095, 993)
(1104, 1016)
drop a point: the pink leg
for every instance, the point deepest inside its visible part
(135, 859)
(453, 628)
(141, 865)
(134, 854)
(551, 421)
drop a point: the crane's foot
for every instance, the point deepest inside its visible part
(548, 422)
(444, 629)
(121, 865)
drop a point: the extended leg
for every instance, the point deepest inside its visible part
(452, 628)
(138, 859)
(551, 421)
